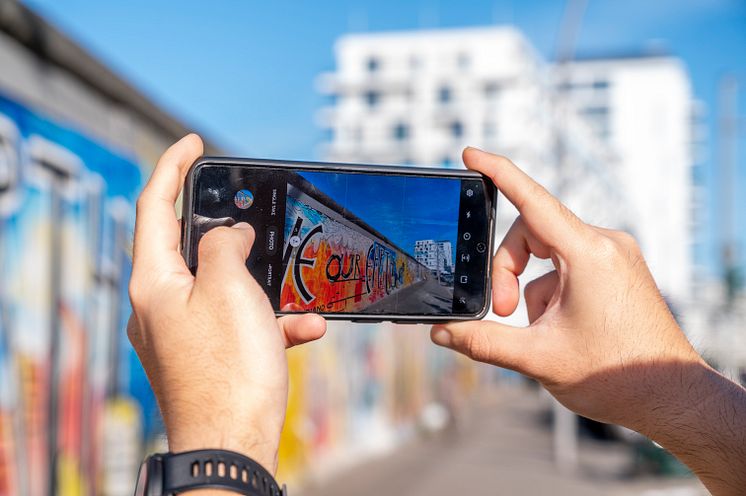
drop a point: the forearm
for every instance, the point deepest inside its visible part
(700, 417)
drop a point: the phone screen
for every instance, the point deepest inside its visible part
(338, 242)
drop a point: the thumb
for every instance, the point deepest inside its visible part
(489, 342)
(223, 252)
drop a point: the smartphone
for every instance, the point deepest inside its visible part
(356, 242)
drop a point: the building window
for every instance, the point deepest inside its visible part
(444, 94)
(491, 89)
(600, 84)
(457, 129)
(463, 61)
(446, 162)
(373, 64)
(600, 110)
(598, 118)
(567, 86)
(401, 132)
(372, 98)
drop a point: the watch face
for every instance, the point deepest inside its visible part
(142, 480)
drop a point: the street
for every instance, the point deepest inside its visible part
(425, 297)
(502, 448)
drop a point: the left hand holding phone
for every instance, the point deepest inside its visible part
(210, 344)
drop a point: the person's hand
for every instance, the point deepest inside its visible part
(601, 338)
(211, 345)
(598, 311)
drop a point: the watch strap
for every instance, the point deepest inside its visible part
(217, 469)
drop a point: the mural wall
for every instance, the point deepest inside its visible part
(65, 223)
(334, 264)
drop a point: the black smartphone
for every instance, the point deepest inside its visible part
(354, 242)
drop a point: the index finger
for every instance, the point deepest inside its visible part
(157, 231)
(548, 219)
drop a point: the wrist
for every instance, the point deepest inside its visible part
(675, 395)
(250, 429)
(260, 447)
(703, 426)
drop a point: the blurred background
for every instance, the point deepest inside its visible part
(632, 112)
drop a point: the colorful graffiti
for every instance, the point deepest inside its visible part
(337, 264)
(65, 214)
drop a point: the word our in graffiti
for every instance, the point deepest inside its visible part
(381, 271)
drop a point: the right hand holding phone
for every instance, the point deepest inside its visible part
(601, 338)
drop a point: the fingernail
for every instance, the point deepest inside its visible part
(241, 225)
(442, 337)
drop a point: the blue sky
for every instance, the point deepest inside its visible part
(243, 72)
(404, 210)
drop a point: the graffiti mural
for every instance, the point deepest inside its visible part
(65, 211)
(335, 263)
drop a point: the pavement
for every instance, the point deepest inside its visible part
(426, 297)
(503, 447)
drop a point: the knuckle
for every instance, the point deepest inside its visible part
(530, 290)
(605, 247)
(617, 245)
(136, 294)
(567, 214)
(535, 192)
(502, 160)
(627, 240)
(477, 345)
(215, 239)
(132, 334)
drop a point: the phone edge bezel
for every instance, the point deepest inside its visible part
(348, 167)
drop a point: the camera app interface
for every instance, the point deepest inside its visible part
(336, 242)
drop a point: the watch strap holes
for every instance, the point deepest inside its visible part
(218, 469)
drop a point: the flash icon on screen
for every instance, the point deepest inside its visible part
(468, 214)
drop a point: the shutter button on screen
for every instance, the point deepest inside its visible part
(481, 247)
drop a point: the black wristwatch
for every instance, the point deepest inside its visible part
(166, 474)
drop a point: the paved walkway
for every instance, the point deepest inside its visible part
(503, 449)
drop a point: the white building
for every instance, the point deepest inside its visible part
(435, 255)
(642, 107)
(420, 97)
